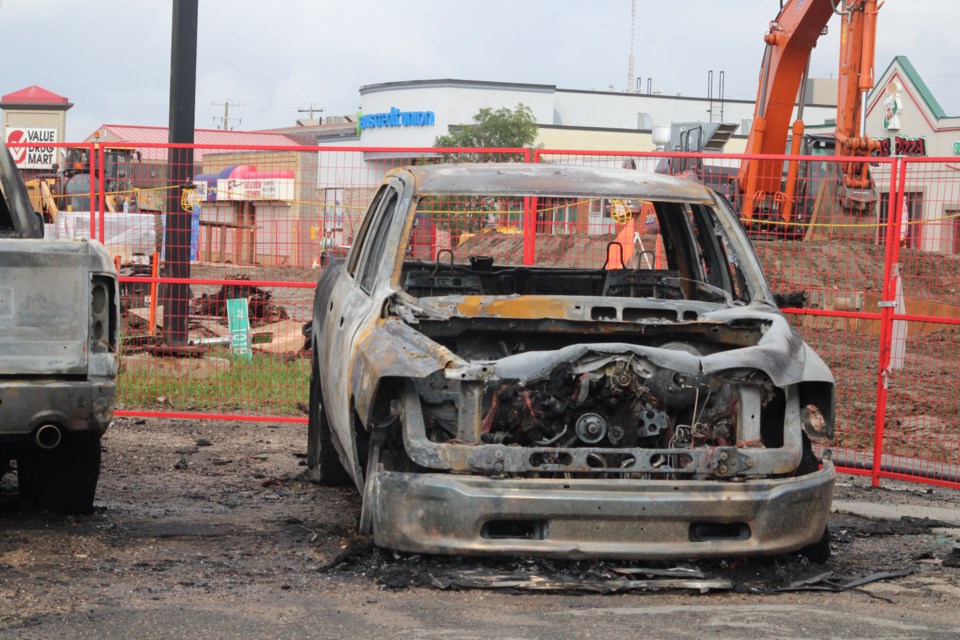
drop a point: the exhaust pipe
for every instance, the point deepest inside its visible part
(48, 436)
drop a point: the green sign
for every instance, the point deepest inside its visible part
(956, 148)
(239, 322)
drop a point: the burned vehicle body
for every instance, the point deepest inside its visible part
(515, 394)
(59, 324)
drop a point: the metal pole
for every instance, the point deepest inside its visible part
(183, 87)
(891, 258)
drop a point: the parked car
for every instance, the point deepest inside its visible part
(569, 391)
(59, 325)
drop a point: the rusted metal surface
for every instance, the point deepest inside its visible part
(660, 392)
(59, 324)
(577, 518)
(59, 336)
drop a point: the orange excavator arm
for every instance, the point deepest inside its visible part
(790, 41)
(857, 48)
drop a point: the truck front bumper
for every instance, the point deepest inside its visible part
(76, 406)
(599, 518)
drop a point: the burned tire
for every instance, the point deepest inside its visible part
(323, 464)
(819, 551)
(61, 480)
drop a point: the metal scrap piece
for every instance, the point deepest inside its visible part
(824, 584)
(524, 582)
(673, 572)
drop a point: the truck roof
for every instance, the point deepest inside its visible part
(550, 180)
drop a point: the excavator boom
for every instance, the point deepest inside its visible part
(789, 43)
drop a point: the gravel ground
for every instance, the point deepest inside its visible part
(206, 529)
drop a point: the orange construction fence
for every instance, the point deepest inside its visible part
(871, 280)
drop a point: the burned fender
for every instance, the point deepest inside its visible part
(780, 353)
(392, 349)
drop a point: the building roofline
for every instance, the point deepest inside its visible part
(452, 82)
(34, 94)
(541, 88)
(911, 74)
(570, 127)
(669, 97)
(36, 106)
(262, 132)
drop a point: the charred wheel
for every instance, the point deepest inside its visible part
(62, 479)
(323, 464)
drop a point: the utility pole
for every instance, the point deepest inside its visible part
(633, 33)
(225, 119)
(183, 93)
(310, 110)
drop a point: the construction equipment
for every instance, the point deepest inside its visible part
(68, 187)
(764, 192)
(699, 137)
(44, 192)
(121, 191)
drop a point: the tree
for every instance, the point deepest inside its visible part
(503, 128)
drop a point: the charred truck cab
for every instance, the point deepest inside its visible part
(59, 324)
(603, 399)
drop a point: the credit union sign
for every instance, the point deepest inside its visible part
(397, 118)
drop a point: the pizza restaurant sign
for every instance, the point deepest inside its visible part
(904, 147)
(32, 157)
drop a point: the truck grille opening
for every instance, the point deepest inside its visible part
(705, 531)
(514, 530)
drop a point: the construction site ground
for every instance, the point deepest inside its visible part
(208, 530)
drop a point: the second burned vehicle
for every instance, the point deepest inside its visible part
(578, 389)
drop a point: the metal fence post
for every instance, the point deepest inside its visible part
(93, 172)
(101, 187)
(891, 253)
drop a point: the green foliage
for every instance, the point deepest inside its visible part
(466, 214)
(503, 128)
(265, 384)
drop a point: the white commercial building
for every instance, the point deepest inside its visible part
(399, 116)
(414, 113)
(910, 123)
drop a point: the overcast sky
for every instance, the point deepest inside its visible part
(111, 58)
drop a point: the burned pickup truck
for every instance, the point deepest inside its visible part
(578, 387)
(59, 326)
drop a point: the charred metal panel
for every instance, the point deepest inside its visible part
(76, 406)
(44, 306)
(571, 518)
(573, 411)
(59, 325)
(391, 349)
(553, 180)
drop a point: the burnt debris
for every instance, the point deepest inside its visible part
(260, 307)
